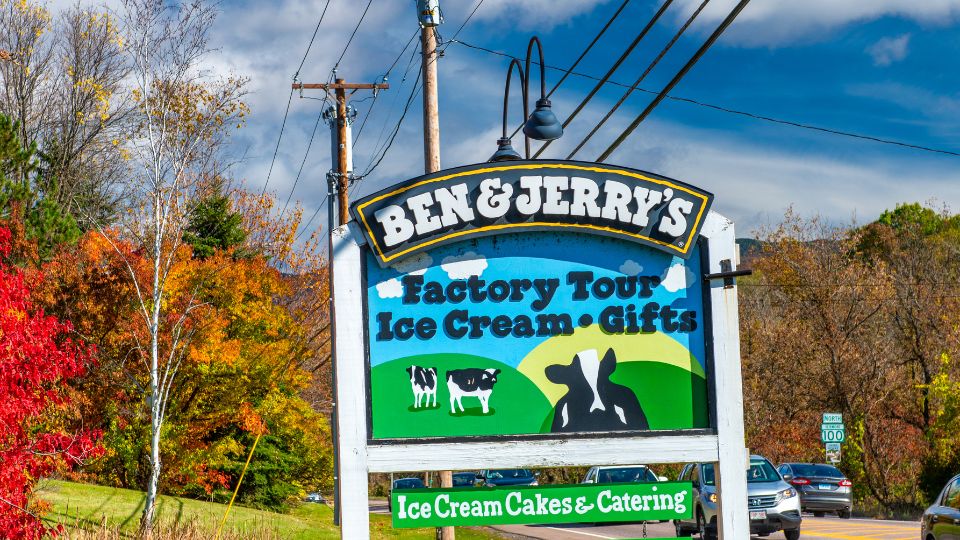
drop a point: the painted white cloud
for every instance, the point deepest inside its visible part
(415, 264)
(677, 277)
(889, 50)
(630, 267)
(391, 288)
(464, 266)
(778, 22)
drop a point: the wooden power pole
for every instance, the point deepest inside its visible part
(338, 185)
(431, 164)
(342, 172)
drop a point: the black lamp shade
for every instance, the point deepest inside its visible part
(505, 151)
(543, 124)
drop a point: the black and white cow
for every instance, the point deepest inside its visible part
(423, 381)
(471, 382)
(592, 401)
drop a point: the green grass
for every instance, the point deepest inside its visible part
(87, 506)
(516, 404)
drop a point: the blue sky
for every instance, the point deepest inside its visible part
(877, 67)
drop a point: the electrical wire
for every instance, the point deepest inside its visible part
(567, 72)
(276, 150)
(352, 34)
(413, 94)
(613, 68)
(312, 38)
(676, 79)
(640, 79)
(720, 108)
(376, 93)
(296, 180)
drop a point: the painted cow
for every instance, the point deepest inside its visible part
(592, 401)
(423, 381)
(471, 382)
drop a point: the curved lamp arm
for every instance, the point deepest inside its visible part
(506, 96)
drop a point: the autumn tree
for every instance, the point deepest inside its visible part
(37, 355)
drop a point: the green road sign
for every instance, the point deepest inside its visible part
(832, 433)
(541, 504)
(832, 418)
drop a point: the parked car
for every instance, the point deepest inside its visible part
(508, 477)
(403, 483)
(315, 498)
(942, 520)
(464, 479)
(773, 504)
(823, 488)
(622, 473)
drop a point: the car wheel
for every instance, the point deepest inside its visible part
(818, 514)
(844, 514)
(702, 527)
(793, 534)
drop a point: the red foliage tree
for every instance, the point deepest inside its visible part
(37, 355)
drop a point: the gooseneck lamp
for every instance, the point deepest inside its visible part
(505, 151)
(542, 125)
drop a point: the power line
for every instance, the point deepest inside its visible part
(728, 110)
(296, 180)
(352, 34)
(376, 94)
(312, 38)
(567, 72)
(283, 124)
(676, 79)
(642, 76)
(613, 68)
(413, 93)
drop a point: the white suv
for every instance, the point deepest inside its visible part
(774, 505)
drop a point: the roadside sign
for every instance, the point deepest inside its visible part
(832, 433)
(833, 452)
(832, 418)
(500, 315)
(542, 504)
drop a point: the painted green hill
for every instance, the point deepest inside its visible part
(516, 404)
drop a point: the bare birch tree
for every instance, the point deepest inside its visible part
(180, 121)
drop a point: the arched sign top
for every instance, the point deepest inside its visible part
(493, 198)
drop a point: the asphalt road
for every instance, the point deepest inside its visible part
(825, 528)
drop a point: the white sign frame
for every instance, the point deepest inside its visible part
(357, 458)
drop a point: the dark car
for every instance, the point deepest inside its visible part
(403, 483)
(508, 477)
(464, 479)
(823, 488)
(942, 520)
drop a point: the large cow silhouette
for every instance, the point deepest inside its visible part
(592, 401)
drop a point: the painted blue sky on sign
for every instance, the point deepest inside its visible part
(530, 256)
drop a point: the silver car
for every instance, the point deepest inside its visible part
(774, 505)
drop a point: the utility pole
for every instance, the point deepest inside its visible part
(343, 145)
(428, 13)
(338, 183)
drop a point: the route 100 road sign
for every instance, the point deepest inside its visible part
(832, 433)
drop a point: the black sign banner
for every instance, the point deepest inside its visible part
(495, 198)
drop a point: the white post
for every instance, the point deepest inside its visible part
(732, 521)
(351, 391)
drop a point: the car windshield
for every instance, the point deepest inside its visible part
(510, 473)
(625, 474)
(804, 469)
(761, 471)
(707, 474)
(408, 483)
(464, 479)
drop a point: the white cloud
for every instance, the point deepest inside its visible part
(889, 50)
(464, 266)
(677, 277)
(539, 14)
(777, 22)
(391, 288)
(630, 267)
(415, 264)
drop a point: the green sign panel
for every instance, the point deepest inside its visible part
(832, 433)
(832, 418)
(541, 504)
